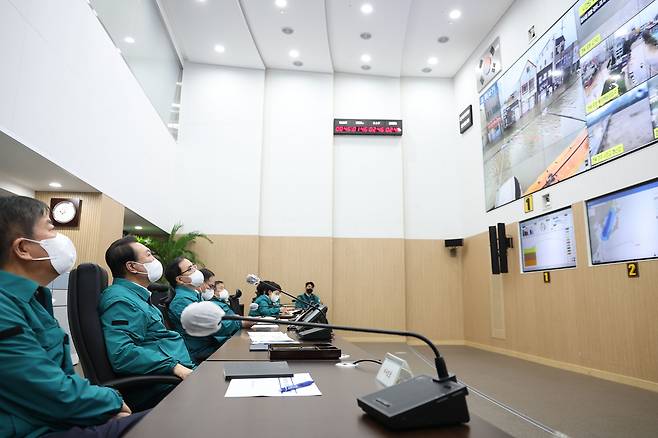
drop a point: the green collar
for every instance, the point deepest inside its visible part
(181, 288)
(141, 291)
(21, 287)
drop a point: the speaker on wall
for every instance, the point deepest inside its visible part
(453, 243)
(493, 249)
(503, 244)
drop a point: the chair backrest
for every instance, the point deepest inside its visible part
(86, 283)
(161, 296)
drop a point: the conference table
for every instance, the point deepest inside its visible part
(197, 406)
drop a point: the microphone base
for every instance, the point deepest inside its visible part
(314, 334)
(419, 402)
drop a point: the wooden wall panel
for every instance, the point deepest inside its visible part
(369, 283)
(593, 317)
(231, 258)
(111, 226)
(292, 261)
(434, 290)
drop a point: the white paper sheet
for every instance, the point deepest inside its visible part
(271, 387)
(270, 338)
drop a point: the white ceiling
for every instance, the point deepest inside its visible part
(327, 33)
(132, 219)
(22, 166)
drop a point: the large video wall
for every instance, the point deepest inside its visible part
(585, 93)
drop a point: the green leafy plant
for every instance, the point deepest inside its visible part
(174, 245)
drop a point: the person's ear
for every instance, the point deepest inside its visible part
(19, 247)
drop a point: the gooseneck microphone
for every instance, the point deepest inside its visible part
(254, 279)
(422, 401)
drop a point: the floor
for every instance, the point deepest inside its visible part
(554, 402)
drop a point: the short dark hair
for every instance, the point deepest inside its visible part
(119, 253)
(173, 271)
(219, 281)
(207, 273)
(309, 282)
(18, 216)
(263, 288)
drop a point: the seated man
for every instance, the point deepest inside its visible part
(185, 277)
(207, 288)
(267, 300)
(136, 338)
(39, 391)
(308, 297)
(220, 298)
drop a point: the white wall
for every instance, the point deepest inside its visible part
(67, 94)
(432, 203)
(512, 29)
(218, 165)
(297, 165)
(368, 196)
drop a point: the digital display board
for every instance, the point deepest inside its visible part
(548, 241)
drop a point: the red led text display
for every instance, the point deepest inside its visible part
(367, 127)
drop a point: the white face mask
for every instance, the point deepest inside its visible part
(196, 278)
(275, 298)
(207, 294)
(223, 295)
(153, 270)
(61, 252)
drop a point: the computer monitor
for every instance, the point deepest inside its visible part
(318, 315)
(623, 225)
(548, 241)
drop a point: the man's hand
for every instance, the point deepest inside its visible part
(124, 412)
(247, 324)
(181, 372)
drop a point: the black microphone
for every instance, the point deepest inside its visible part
(422, 401)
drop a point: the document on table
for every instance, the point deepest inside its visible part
(270, 338)
(271, 387)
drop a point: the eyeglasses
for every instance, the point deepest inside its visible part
(192, 267)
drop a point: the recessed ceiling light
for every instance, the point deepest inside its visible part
(294, 53)
(298, 63)
(366, 58)
(129, 40)
(55, 185)
(281, 3)
(366, 35)
(455, 14)
(426, 70)
(287, 30)
(432, 60)
(365, 67)
(219, 48)
(443, 39)
(201, 1)
(366, 8)
(139, 227)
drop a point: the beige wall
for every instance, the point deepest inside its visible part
(101, 222)
(592, 317)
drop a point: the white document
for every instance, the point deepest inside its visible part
(271, 387)
(270, 338)
(262, 327)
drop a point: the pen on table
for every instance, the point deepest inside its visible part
(296, 386)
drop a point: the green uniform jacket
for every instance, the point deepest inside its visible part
(39, 391)
(229, 328)
(199, 347)
(265, 307)
(304, 298)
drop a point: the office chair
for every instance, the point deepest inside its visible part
(161, 296)
(86, 283)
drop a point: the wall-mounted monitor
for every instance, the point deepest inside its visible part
(548, 241)
(623, 225)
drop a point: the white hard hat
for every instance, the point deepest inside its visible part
(201, 319)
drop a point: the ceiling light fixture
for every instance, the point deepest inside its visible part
(139, 227)
(201, 1)
(432, 60)
(55, 185)
(443, 39)
(366, 58)
(365, 67)
(298, 63)
(366, 35)
(287, 30)
(129, 40)
(281, 3)
(426, 70)
(219, 48)
(366, 8)
(455, 14)
(294, 53)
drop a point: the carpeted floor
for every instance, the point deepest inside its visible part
(574, 404)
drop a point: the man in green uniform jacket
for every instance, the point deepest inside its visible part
(39, 391)
(228, 328)
(136, 339)
(303, 300)
(267, 300)
(185, 277)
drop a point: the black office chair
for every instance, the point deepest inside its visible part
(85, 286)
(161, 296)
